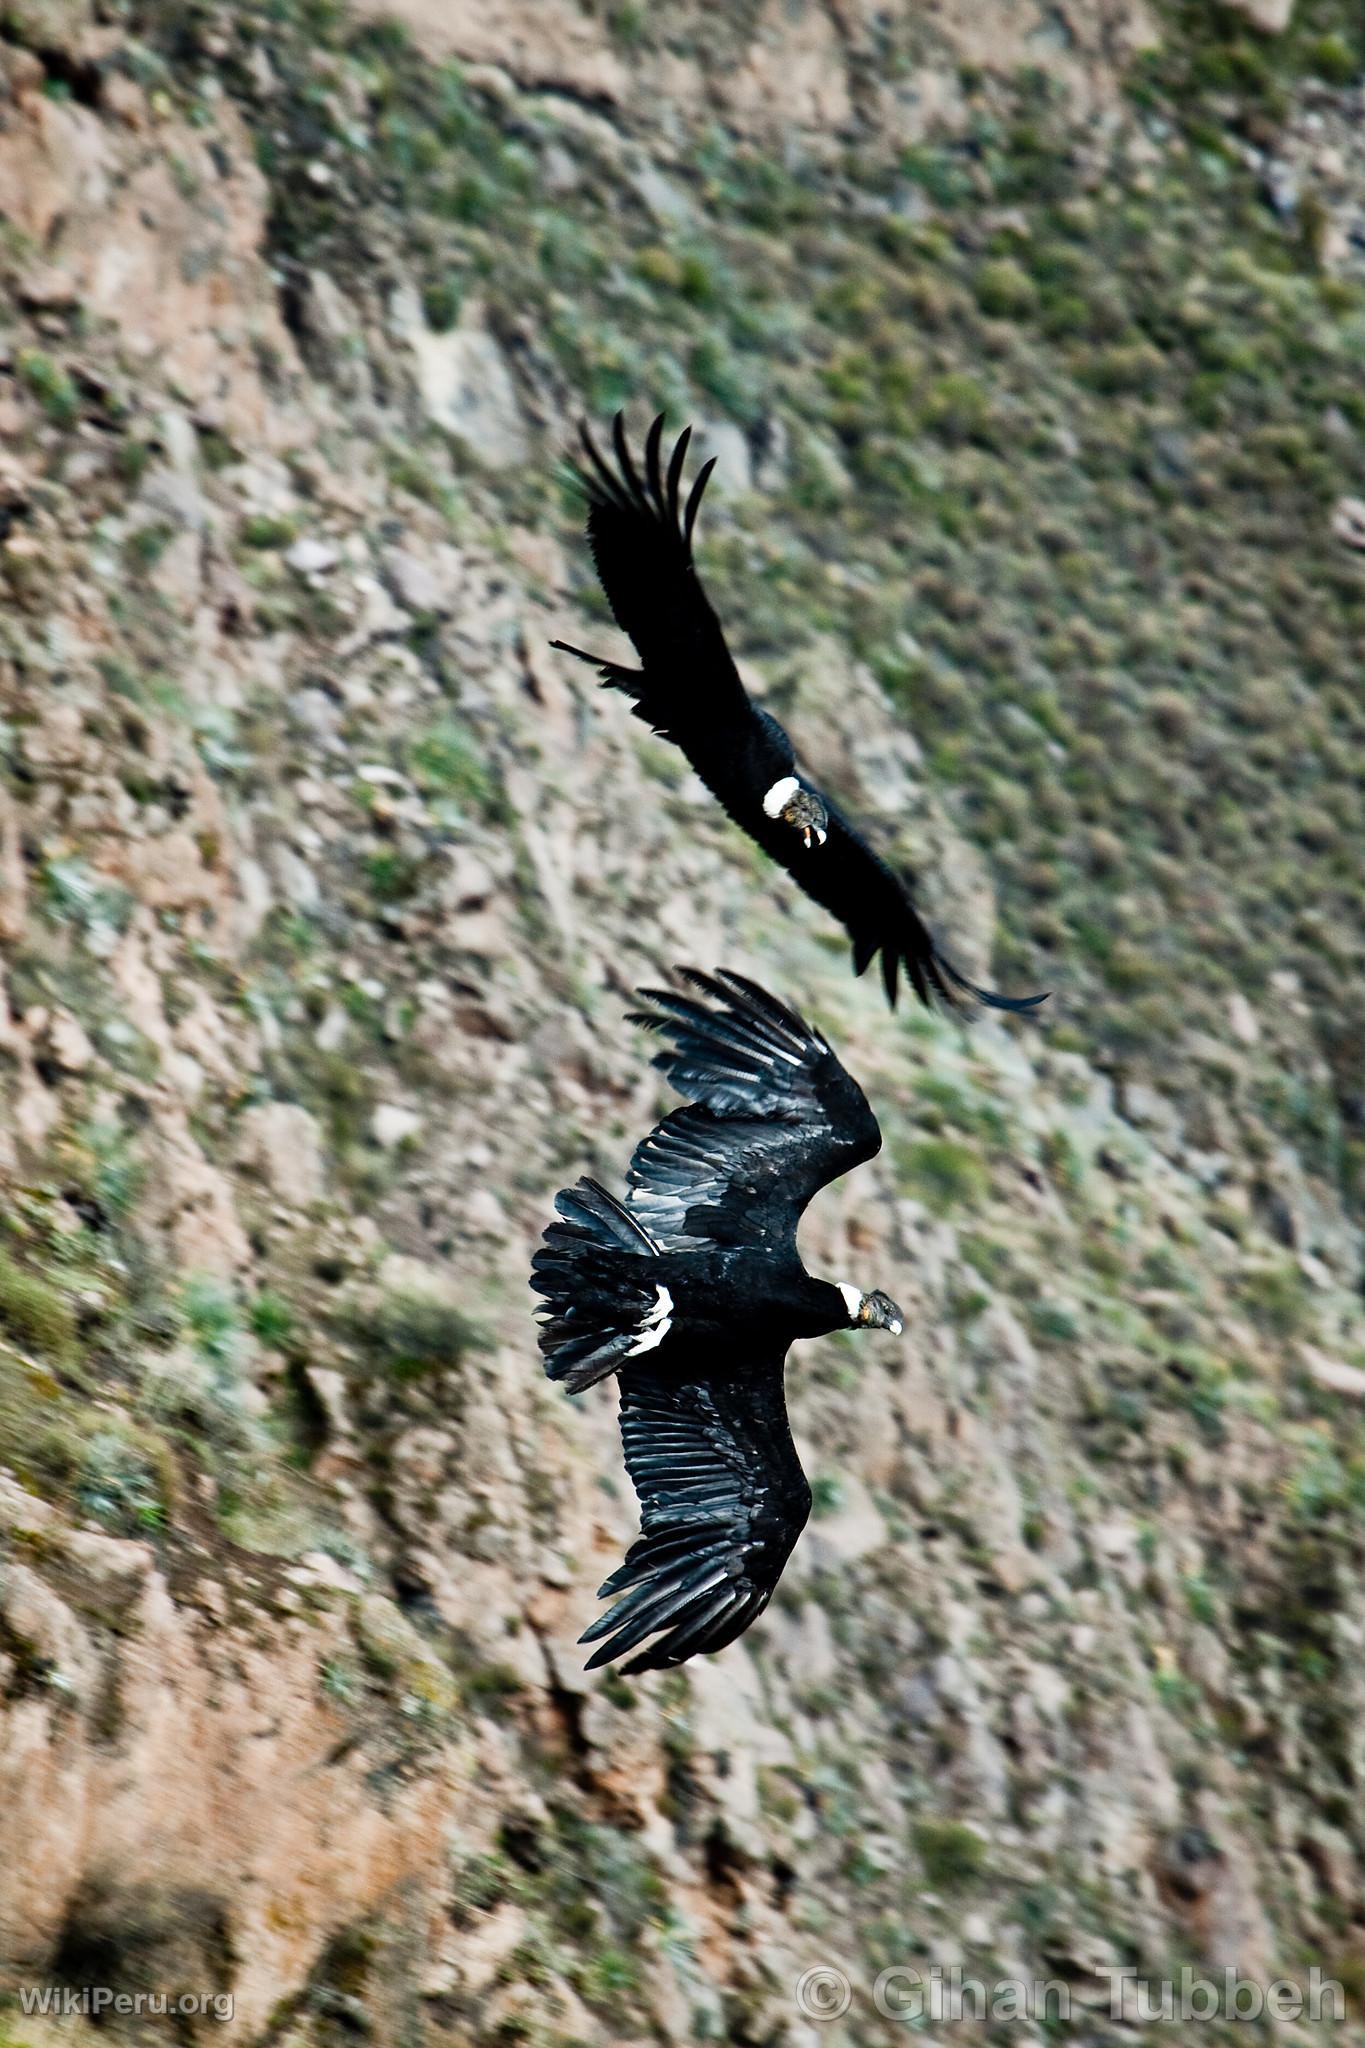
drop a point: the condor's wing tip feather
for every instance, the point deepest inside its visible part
(680, 1593)
(695, 496)
(991, 998)
(624, 485)
(735, 1014)
(688, 1625)
(932, 975)
(1015, 1005)
(728, 986)
(653, 432)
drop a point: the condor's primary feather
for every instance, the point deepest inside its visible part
(688, 689)
(691, 1292)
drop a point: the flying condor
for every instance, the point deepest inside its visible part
(691, 1292)
(688, 689)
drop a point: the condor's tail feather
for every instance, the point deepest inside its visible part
(602, 1302)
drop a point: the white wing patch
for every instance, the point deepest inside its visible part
(853, 1298)
(656, 1325)
(779, 796)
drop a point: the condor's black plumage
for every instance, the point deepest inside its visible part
(689, 691)
(691, 1292)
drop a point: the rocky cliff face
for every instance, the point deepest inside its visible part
(1028, 343)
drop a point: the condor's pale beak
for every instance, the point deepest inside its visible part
(881, 1312)
(803, 809)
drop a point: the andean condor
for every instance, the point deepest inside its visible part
(689, 691)
(691, 1292)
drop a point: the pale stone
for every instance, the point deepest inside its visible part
(1272, 17)
(485, 1213)
(281, 1141)
(1242, 1019)
(1333, 1374)
(229, 1771)
(312, 557)
(48, 288)
(391, 1125)
(465, 385)
(50, 24)
(69, 1043)
(294, 877)
(110, 1562)
(853, 1529)
(20, 1510)
(729, 446)
(416, 584)
(1348, 522)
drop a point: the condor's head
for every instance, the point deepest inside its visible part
(875, 1311)
(795, 805)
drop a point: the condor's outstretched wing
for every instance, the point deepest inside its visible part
(772, 1118)
(640, 533)
(874, 905)
(723, 1500)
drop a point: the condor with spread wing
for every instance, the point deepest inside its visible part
(691, 1292)
(688, 689)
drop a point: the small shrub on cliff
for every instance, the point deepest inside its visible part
(1277, 1297)
(34, 1315)
(953, 1856)
(1005, 290)
(411, 1335)
(943, 1174)
(446, 761)
(50, 385)
(266, 531)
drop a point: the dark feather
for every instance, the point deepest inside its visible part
(596, 1300)
(773, 1118)
(688, 689)
(691, 1292)
(723, 1500)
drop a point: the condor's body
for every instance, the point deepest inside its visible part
(735, 1299)
(691, 1291)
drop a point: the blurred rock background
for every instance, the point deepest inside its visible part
(1029, 340)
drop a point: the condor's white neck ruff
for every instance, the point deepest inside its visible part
(780, 795)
